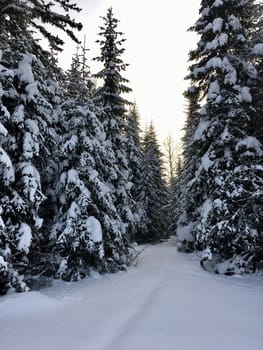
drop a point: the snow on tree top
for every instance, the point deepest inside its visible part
(32, 90)
(32, 126)
(8, 170)
(214, 62)
(217, 3)
(217, 25)
(206, 208)
(3, 263)
(94, 228)
(250, 70)
(206, 163)
(3, 130)
(203, 110)
(205, 12)
(250, 142)
(31, 180)
(258, 49)
(25, 70)
(211, 45)
(231, 76)
(25, 237)
(213, 91)
(203, 125)
(6, 72)
(223, 39)
(245, 94)
(234, 22)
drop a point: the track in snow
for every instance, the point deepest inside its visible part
(166, 303)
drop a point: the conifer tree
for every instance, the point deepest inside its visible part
(114, 119)
(226, 185)
(135, 163)
(184, 193)
(153, 190)
(175, 196)
(28, 96)
(255, 54)
(86, 228)
(134, 153)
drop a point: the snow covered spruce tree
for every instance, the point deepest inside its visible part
(27, 97)
(135, 163)
(86, 229)
(227, 186)
(114, 118)
(175, 197)
(173, 162)
(183, 193)
(153, 191)
(255, 54)
(134, 153)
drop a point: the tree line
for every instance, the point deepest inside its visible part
(76, 178)
(78, 181)
(219, 190)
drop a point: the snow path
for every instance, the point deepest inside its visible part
(167, 302)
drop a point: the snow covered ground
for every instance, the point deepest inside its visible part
(167, 302)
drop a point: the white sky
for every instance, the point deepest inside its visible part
(157, 49)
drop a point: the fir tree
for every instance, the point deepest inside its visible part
(183, 192)
(153, 190)
(114, 119)
(226, 185)
(135, 164)
(28, 96)
(175, 198)
(18, 16)
(86, 228)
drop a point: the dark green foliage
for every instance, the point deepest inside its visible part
(222, 216)
(27, 118)
(86, 226)
(153, 194)
(135, 165)
(17, 16)
(187, 195)
(114, 118)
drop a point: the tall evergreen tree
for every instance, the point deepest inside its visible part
(226, 185)
(185, 195)
(135, 163)
(153, 190)
(86, 228)
(28, 96)
(175, 198)
(255, 54)
(114, 119)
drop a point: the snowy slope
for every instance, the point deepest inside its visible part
(166, 303)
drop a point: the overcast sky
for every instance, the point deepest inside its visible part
(157, 46)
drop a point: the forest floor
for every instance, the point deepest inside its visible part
(166, 302)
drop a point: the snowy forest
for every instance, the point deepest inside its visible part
(80, 183)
